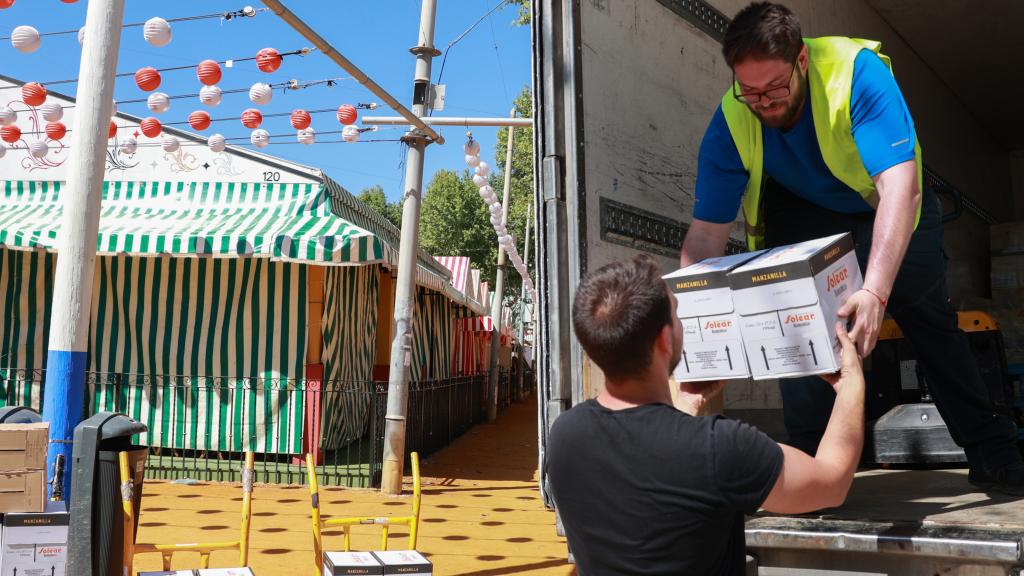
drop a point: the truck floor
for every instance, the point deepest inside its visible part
(925, 496)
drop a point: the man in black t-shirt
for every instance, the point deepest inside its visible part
(645, 488)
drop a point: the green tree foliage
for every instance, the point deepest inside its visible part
(455, 222)
(375, 198)
(525, 16)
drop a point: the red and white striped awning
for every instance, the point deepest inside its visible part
(459, 266)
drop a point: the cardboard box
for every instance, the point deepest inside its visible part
(225, 572)
(23, 446)
(36, 544)
(350, 563)
(408, 562)
(787, 299)
(712, 345)
(22, 491)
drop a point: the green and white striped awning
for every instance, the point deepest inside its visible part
(288, 222)
(314, 223)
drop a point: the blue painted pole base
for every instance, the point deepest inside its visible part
(63, 404)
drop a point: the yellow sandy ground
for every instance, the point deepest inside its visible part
(481, 512)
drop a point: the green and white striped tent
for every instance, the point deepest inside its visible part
(200, 304)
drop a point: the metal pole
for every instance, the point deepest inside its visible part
(64, 393)
(324, 46)
(450, 121)
(526, 261)
(405, 285)
(499, 290)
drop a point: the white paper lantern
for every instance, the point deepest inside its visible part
(487, 190)
(495, 208)
(81, 34)
(480, 181)
(38, 149)
(472, 160)
(170, 144)
(491, 198)
(495, 221)
(52, 111)
(350, 133)
(216, 143)
(472, 148)
(158, 102)
(260, 138)
(210, 95)
(157, 32)
(129, 146)
(306, 136)
(483, 169)
(7, 116)
(261, 93)
(25, 39)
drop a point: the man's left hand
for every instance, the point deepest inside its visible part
(695, 398)
(866, 311)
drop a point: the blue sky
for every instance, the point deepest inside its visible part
(375, 35)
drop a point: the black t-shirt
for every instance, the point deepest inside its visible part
(652, 490)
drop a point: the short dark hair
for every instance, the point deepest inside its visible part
(762, 30)
(618, 312)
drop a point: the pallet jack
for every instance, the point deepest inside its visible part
(903, 424)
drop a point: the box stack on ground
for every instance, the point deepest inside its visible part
(406, 562)
(34, 539)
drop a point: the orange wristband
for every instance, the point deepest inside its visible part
(884, 301)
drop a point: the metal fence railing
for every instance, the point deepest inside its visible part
(200, 426)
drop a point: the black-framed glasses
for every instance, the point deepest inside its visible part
(771, 94)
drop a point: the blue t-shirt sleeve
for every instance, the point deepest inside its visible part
(721, 178)
(882, 126)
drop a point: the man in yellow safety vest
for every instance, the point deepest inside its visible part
(814, 138)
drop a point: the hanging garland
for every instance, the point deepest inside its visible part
(505, 239)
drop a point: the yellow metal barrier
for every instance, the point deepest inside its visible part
(385, 522)
(204, 550)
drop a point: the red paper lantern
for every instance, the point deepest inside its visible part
(56, 130)
(6, 4)
(208, 72)
(252, 118)
(111, 130)
(268, 60)
(33, 94)
(151, 127)
(301, 119)
(148, 79)
(199, 120)
(347, 114)
(10, 134)
(68, 1)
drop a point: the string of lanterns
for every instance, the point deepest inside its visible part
(505, 239)
(157, 31)
(39, 148)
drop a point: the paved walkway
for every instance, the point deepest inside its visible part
(481, 512)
